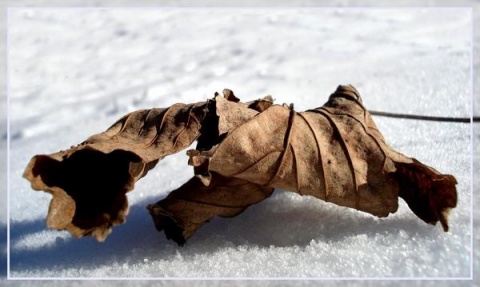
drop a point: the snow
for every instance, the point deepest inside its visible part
(73, 72)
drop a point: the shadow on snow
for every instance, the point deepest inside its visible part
(277, 221)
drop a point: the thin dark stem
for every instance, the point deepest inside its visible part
(425, 118)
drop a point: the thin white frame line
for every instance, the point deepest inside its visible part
(243, 278)
(472, 199)
(240, 7)
(220, 8)
(8, 141)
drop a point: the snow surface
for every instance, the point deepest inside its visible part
(73, 72)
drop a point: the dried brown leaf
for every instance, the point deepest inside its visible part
(334, 153)
(244, 151)
(189, 207)
(89, 181)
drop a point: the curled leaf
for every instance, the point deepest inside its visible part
(89, 181)
(244, 150)
(189, 207)
(334, 153)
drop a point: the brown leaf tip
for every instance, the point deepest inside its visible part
(429, 194)
(348, 91)
(166, 222)
(261, 105)
(229, 95)
(88, 189)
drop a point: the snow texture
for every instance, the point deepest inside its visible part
(73, 72)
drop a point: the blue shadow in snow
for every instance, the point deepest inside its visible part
(263, 225)
(71, 252)
(3, 251)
